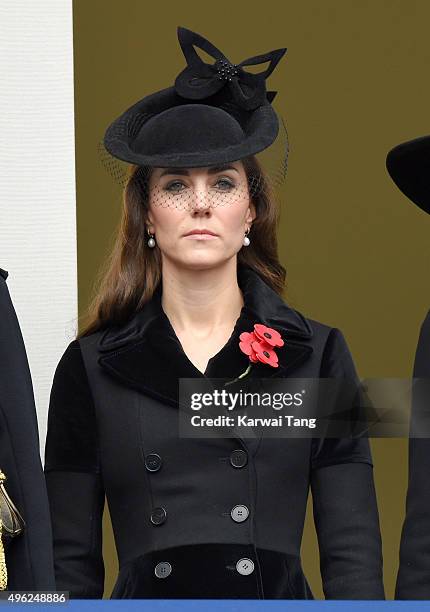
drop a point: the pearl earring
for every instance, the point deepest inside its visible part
(246, 240)
(151, 241)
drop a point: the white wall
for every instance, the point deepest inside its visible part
(37, 181)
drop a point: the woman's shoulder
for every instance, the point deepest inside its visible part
(330, 342)
(70, 373)
(72, 355)
(331, 333)
(71, 441)
(336, 359)
(316, 330)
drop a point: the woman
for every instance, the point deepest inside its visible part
(408, 166)
(26, 562)
(211, 518)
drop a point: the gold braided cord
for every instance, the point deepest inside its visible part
(3, 568)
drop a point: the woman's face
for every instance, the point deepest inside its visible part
(215, 199)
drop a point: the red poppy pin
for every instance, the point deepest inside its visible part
(260, 346)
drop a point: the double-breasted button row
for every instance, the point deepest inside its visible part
(239, 514)
(244, 567)
(153, 462)
(238, 458)
(158, 516)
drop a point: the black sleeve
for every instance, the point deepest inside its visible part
(29, 557)
(413, 579)
(74, 482)
(344, 501)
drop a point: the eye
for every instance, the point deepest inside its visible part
(174, 186)
(225, 184)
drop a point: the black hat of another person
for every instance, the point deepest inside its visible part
(213, 114)
(409, 166)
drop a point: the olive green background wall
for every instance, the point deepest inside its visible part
(353, 84)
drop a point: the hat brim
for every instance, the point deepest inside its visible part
(409, 166)
(260, 131)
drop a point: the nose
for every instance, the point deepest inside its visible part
(201, 202)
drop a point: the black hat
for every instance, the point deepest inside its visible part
(409, 167)
(215, 113)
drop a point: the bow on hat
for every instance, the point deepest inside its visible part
(200, 80)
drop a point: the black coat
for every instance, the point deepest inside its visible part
(413, 579)
(112, 429)
(29, 557)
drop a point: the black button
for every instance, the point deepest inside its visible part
(158, 516)
(239, 513)
(238, 458)
(153, 462)
(245, 566)
(164, 569)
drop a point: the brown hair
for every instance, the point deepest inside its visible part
(133, 270)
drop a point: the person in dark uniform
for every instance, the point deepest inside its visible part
(193, 292)
(409, 166)
(29, 557)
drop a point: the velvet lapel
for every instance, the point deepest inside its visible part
(146, 354)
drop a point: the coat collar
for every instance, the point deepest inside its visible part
(146, 354)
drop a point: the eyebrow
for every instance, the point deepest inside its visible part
(211, 170)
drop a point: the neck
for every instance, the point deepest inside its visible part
(201, 299)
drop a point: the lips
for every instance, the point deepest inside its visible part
(202, 231)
